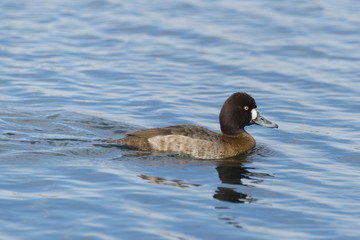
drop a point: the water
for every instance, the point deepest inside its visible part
(75, 72)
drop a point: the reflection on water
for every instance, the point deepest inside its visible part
(231, 174)
(231, 195)
(232, 171)
(167, 182)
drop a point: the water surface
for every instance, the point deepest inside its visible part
(75, 72)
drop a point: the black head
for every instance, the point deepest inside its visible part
(238, 111)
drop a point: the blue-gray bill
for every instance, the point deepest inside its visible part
(260, 120)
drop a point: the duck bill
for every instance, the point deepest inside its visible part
(260, 120)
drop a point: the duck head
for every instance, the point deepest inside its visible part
(238, 111)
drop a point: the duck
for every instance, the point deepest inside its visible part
(238, 111)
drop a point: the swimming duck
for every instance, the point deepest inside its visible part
(238, 111)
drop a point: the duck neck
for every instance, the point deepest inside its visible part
(237, 133)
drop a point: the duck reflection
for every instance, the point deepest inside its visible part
(230, 195)
(232, 173)
(168, 182)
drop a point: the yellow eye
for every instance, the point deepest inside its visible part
(246, 108)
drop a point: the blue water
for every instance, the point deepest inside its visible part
(75, 72)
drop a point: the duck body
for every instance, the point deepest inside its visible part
(238, 111)
(195, 141)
